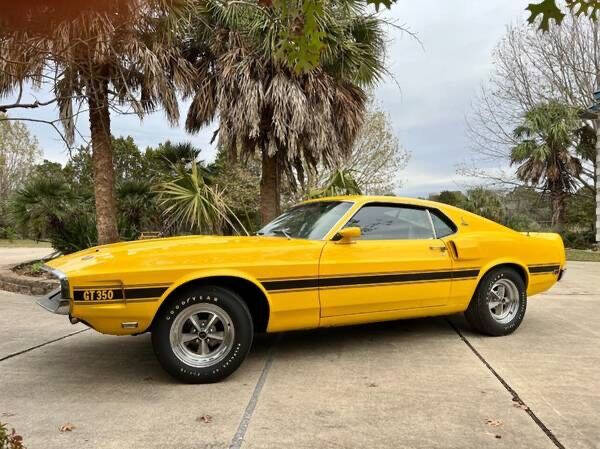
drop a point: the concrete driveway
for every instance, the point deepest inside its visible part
(13, 256)
(427, 383)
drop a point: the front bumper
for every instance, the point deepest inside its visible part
(55, 303)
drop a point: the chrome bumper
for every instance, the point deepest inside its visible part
(54, 303)
(57, 301)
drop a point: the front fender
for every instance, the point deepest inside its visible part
(204, 274)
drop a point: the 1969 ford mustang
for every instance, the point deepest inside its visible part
(328, 262)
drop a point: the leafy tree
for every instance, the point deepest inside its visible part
(138, 208)
(341, 182)
(548, 10)
(57, 203)
(479, 200)
(48, 170)
(374, 163)
(171, 158)
(544, 155)
(239, 183)
(100, 55)
(486, 203)
(293, 120)
(579, 212)
(129, 163)
(532, 68)
(18, 152)
(453, 198)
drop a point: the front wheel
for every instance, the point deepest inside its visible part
(203, 334)
(499, 304)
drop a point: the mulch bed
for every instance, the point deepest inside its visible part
(32, 269)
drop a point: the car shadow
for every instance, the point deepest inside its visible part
(92, 359)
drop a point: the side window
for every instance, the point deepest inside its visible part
(442, 225)
(392, 222)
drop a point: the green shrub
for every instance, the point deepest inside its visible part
(10, 440)
(578, 240)
(520, 222)
(74, 232)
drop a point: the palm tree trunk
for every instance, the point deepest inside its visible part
(558, 210)
(270, 188)
(102, 162)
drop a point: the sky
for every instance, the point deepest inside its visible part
(433, 82)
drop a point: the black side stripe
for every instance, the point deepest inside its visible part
(294, 284)
(291, 284)
(117, 293)
(543, 268)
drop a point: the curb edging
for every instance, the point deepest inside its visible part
(27, 285)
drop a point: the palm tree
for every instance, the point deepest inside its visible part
(545, 155)
(102, 55)
(188, 200)
(293, 120)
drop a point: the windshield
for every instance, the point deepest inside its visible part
(308, 221)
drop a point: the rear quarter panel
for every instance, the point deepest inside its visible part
(484, 244)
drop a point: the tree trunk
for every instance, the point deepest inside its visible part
(102, 162)
(558, 210)
(270, 188)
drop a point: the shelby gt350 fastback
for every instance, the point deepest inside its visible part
(327, 262)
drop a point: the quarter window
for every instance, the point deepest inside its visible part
(442, 225)
(392, 222)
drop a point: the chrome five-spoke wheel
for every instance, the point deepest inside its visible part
(503, 300)
(202, 335)
(499, 303)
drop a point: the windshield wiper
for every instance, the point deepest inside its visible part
(281, 231)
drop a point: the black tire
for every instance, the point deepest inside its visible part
(490, 321)
(175, 324)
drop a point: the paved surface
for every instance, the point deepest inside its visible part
(427, 383)
(12, 256)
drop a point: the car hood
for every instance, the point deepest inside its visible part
(165, 252)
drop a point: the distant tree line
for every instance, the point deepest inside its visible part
(525, 209)
(169, 189)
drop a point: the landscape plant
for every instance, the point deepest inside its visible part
(544, 154)
(292, 120)
(100, 58)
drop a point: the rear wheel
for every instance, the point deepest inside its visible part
(203, 334)
(499, 303)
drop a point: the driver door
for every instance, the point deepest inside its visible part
(397, 263)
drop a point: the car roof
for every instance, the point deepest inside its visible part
(381, 199)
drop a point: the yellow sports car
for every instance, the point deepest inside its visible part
(327, 262)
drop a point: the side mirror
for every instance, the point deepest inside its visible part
(346, 235)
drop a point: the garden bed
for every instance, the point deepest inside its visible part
(32, 269)
(27, 278)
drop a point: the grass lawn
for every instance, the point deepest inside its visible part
(583, 256)
(23, 244)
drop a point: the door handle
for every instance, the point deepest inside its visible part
(438, 248)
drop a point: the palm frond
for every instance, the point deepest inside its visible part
(188, 199)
